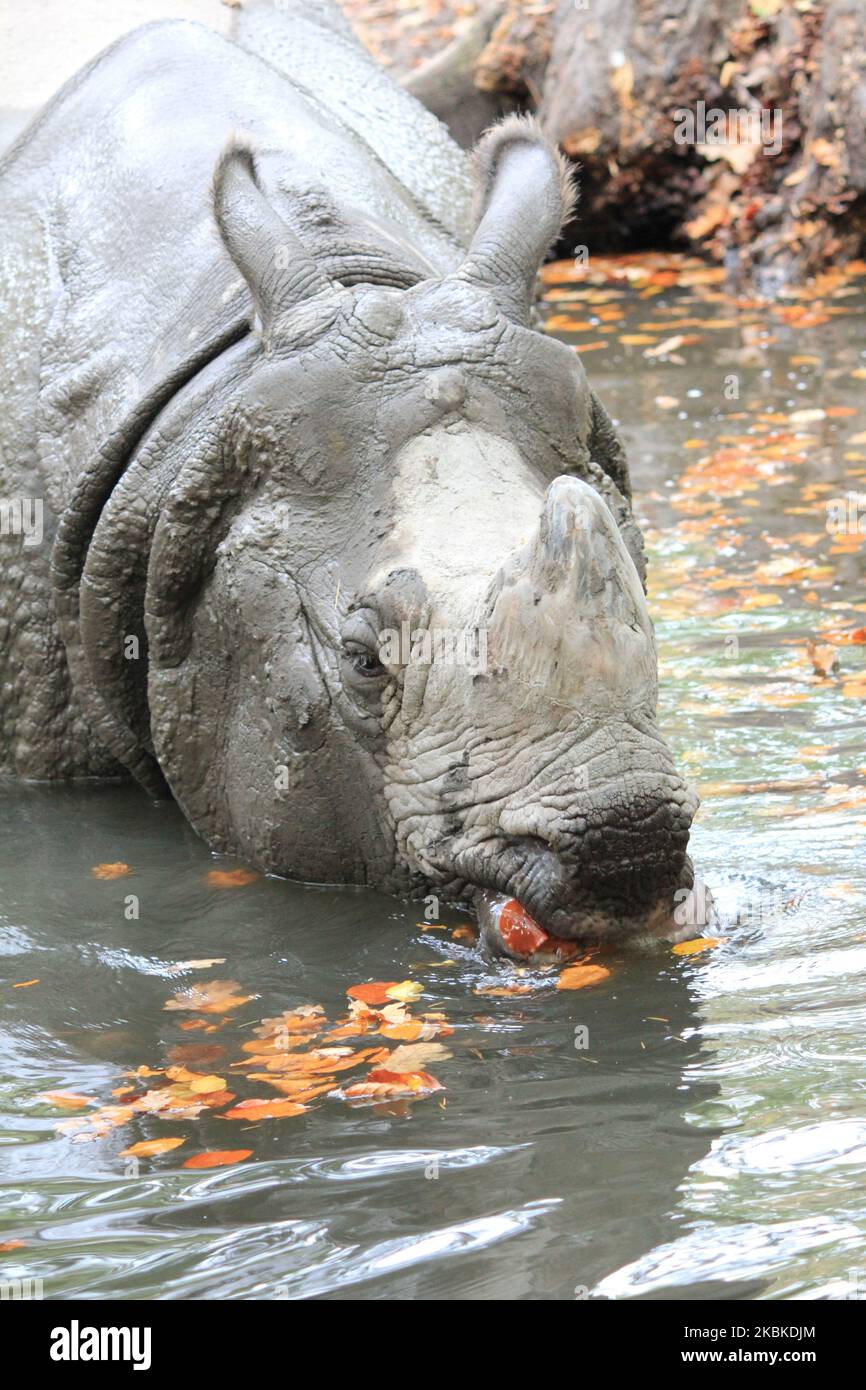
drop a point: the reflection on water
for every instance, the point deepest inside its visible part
(545, 1165)
(711, 1138)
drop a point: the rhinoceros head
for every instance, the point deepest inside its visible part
(397, 631)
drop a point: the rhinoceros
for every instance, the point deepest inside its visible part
(306, 524)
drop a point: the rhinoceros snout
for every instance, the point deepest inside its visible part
(609, 871)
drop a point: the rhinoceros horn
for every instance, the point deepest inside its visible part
(279, 271)
(526, 193)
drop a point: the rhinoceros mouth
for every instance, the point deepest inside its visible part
(611, 903)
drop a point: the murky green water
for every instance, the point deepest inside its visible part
(710, 1140)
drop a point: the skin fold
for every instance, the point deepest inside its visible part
(338, 548)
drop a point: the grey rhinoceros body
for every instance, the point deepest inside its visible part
(276, 413)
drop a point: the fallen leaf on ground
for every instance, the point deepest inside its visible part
(707, 221)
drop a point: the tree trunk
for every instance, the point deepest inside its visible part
(735, 127)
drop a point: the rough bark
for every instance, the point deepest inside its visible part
(608, 77)
(448, 85)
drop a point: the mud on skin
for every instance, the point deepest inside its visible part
(281, 394)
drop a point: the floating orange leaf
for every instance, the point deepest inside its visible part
(295, 1088)
(403, 1032)
(464, 933)
(199, 1085)
(376, 992)
(824, 658)
(565, 323)
(579, 976)
(67, 1100)
(310, 1018)
(217, 1158)
(215, 997)
(118, 870)
(196, 1052)
(148, 1148)
(698, 944)
(257, 1109)
(382, 1084)
(231, 878)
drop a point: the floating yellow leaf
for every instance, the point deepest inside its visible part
(67, 1100)
(699, 943)
(147, 1148)
(417, 1056)
(406, 991)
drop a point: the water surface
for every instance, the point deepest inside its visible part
(710, 1138)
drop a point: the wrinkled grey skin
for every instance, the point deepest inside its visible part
(269, 429)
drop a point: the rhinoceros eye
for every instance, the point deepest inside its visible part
(360, 658)
(366, 664)
(361, 663)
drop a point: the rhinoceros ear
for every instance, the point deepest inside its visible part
(526, 194)
(273, 261)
